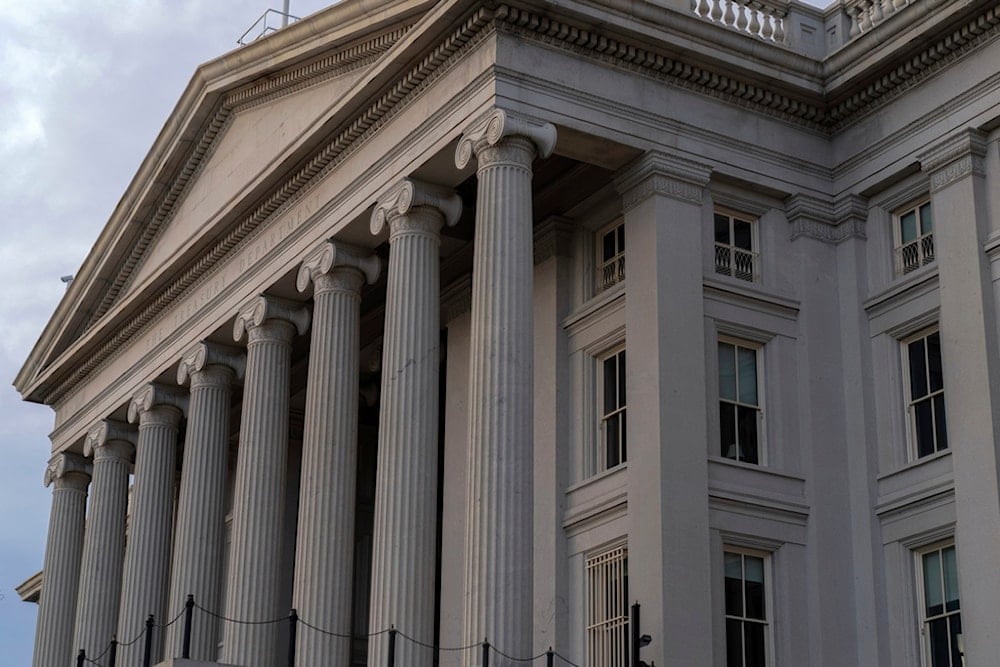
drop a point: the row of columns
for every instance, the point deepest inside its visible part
(119, 587)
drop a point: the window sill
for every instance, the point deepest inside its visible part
(602, 496)
(901, 284)
(915, 481)
(749, 484)
(595, 304)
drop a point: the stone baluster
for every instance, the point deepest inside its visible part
(888, 8)
(856, 20)
(498, 601)
(111, 444)
(146, 576)
(704, 7)
(754, 26)
(69, 475)
(780, 36)
(767, 24)
(404, 552)
(325, 542)
(716, 13)
(729, 18)
(876, 10)
(254, 583)
(865, 15)
(199, 542)
(741, 16)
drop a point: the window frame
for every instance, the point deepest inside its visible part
(600, 460)
(758, 349)
(919, 554)
(616, 263)
(596, 630)
(768, 599)
(731, 249)
(912, 438)
(923, 242)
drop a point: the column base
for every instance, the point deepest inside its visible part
(183, 662)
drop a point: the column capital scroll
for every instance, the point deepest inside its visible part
(154, 395)
(262, 308)
(204, 354)
(330, 255)
(110, 438)
(66, 464)
(497, 124)
(410, 194)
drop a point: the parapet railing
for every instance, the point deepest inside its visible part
(763, 19)
(866, 14)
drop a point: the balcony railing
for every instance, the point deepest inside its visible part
(611, 272)
(866, 14)
(913, 255)
(763, 19)
(736, 262)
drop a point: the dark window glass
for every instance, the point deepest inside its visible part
(924, 425)
(747, 433)
(926, 220)
(918, 369)
(614, 450)
(721, 229)
(610, 382)
(734, 643)
(609, 246)
(935, 377)
(734, 584)
(940, 427)
(742, 232)
(727, 429)
(754, 644)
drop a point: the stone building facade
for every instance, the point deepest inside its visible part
(487, 321)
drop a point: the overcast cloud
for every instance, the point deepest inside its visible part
(86, 86)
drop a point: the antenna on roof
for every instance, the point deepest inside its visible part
(284, 13)
(262, 26)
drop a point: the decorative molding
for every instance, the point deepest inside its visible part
(262, 308)
(826, 220)
(662, 174)
(554, 237)
(498, 124)
(155, 395)
(456, 299)
(205, 354)
(330, 255)
(957, 156)
(67, 463)
(407, 196)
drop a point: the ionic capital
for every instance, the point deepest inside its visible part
(329, 256)
(110, 439)
(959, 155)
(203, 355)
(263, 308)
(70, 470)
(498, 124)
(410, 196)
(656, 173)
(159, 403)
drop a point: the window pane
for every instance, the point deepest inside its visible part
(918, 369)
(924, 427)
(621, 238)
(611, 442)
(747, 425)
(950, 578)
(727, 429)
(727, 371)
(753, 634)
(955, 629)
(926, 221)
(754, 568)
(721, 229)
(610, 385)
(932, 583)
(609, 246)
(747, 360)
(934, 362)
(908, 227)
(742, 233)
(621, 434)
(734, 643)
(621, 379)
(940, 427)
(734, 584)
(938, 631)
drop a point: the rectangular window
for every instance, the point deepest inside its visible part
(739, 401)
(746, 609)
(914, 238)
(611, 256)
(607, 608)
(941, 611)
(614, 451)
(925, 394)
(735, 246)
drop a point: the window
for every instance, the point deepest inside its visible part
(925, 400)
(941, 612)
(613, 444)
(914, 233)
(611, 255)
(739, 401)
(735, 253)
(607, 608)
(746, 609)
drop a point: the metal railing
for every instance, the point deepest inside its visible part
(263, 26)
(735, 262)
(913, 255)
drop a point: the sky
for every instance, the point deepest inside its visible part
(86, 87)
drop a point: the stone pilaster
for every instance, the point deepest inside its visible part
(199, 535)
(324, 571)
(158, 410)
(111, 444)
(69, 475)
(403, 561)
(498, 602)
(253, 590)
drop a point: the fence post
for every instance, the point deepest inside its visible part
(188, 613)
(392, 646)
(293, 627)
(550, 658)
(80, 657)
(113, 653)
(486, 653)
(148, 650)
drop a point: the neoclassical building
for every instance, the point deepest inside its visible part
(532, 324)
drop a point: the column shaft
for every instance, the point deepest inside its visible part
(63, 551)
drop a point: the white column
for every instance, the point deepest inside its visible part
(498, 580)
(199, 539)
(254, 581)
(158, 409)
(324, 571)
(403, 561)
(70, 475)
(111, 444)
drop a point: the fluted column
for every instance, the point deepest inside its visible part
(254, 581)
(199, 535)
(404, 551)
(498, 579)
(69, 474)
(111, 443)
(325, 539)
(158, 410)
